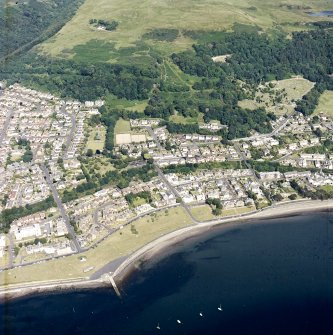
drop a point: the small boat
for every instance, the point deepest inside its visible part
(158, 326)
(179, 321)
(73, 310)
(200, 314)
(220, 308)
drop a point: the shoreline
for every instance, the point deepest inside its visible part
(154, 248)
(157, 246)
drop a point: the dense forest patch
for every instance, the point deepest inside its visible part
(24, 24)
(80, 80)
(190, 84)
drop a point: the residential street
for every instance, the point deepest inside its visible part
(61, 208)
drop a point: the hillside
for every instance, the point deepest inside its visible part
(137, 17)
(26, 23)
(140, 68)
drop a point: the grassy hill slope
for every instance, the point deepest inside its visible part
(137, 17)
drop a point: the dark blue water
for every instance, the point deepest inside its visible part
(273, 278)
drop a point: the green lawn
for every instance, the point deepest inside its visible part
(139, 201)
(295, 88)
(122, 127)
(327, 188)
(119, 244)
(204, 212)
(101, 164)
(186, 120)
(131, 105)
(137, 17)
(96, 138)
(325, 104)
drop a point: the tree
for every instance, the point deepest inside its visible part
(27, 156)
(217, 211)
(89, 153)
(292, 196)
(277, 197)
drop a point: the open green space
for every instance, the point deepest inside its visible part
(122, 243)
(281, 97)
(327, 188)
(96, 138)
(325, 105)
(177, 118)
(122, 127)
(99, 164)
(130, 105)
(204, 212)
(153, 18)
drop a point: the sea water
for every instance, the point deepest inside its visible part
(269, 277)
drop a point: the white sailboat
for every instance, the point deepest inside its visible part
(220, 308)
(158, 326)
(178, 321)
(200, 314)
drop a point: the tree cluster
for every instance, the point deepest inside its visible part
(304, 192)
(26, 23)
(108, 25)
(7, 216)
(131, 197)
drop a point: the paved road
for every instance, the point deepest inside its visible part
(153, 135)
(176, 194)
(61, 207)
(274, 132)
(110, 267)
(72, 132)
(245, 161)
(3, 132)
(96, 218)
(161, 175)
(11, 251)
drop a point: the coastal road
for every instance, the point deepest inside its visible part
(287, 208)
(61, 208)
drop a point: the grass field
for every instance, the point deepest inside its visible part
(122, 127)
(100, 164)
(295, 89)
(327, 188)
(204, 212)
(325, 104)
(131, 105)
(96, 138)
(186, 120)
(119, 244)
(136, 17)
(4, 260)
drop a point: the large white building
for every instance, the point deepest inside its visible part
(21, 232)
